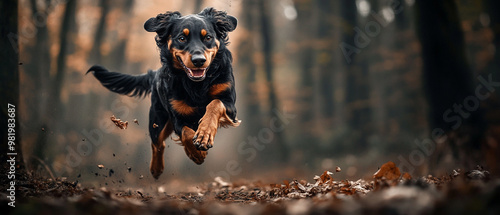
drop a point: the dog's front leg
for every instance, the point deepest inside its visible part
(214, 117)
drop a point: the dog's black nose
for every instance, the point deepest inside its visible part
(198, 60)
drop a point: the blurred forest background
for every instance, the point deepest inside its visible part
(320, 84)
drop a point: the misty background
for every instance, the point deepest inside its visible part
(319, 83)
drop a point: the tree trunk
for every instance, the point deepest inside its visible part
(245, 58)
(356, 84)
(39, 67)
(100, 33)
(65, 35)
(492, 104)
(117, 56)
(39, 71)
(9, 84)
(493, 6)
(305, 24)
(448, 80)
(267, 46)
(376, 75)
(324, 58)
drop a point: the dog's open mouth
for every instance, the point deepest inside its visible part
(195, 74)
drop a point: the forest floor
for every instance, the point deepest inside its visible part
(389, 192)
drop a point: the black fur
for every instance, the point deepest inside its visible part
(124, 84)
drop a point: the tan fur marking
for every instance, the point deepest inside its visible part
(187, 141)
(181, 107)
(169, 43)
(156, 166)
(203, 32)
(185, 31)
(185, 57)
(216, 89)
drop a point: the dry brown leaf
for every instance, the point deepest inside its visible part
(119, 123)
(287, 184)
(388, 171)
(406, 176)
(326, 176)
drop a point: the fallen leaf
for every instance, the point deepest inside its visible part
(406, 176)
(326, 176)
(388, 171)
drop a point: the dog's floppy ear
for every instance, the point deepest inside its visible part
(222, 22)
(162, 24)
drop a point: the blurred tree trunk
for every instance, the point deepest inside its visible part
(493, 6)
(116, 59)
(9, 80)
(39, 71)
(403, 104)
(39, 68)
(377, 73)
(246, 61)
(66, 36)
(402, 15)
(492, 115)
(448, 79)
(267, 48)
(340, 74)
(96, 57)
(100, 33)
(324, 58)
(356, 83)
(306, 23)
(305, 54)
(117, 56)
(349, 20)
(55, 109)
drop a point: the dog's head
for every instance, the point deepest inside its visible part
(191, 41)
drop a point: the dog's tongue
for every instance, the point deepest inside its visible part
(197, 72)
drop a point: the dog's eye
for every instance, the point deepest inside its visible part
(208, 38)
(182, 39)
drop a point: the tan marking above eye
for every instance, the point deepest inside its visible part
(185, 31)
(203, 32)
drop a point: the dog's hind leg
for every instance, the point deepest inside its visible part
(159, 129)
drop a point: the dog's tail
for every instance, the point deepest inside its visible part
(130, 85)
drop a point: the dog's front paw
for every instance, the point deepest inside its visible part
(204, 137)
(194, 154)
(191, 150)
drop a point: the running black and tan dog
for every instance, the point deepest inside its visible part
(193, 93)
